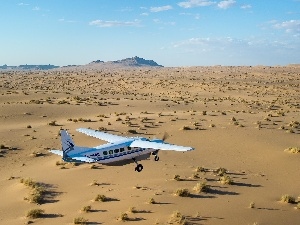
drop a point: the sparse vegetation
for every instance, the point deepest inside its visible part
(152, 201)
(201, 187)
(177, 177)
(294, 150)
(220, 171)
(80, 220)
(178, 218)
(182, 192)
(226, 180)
(252, 205)
(101, 198)
(86, 209)
(52, 123)
(287, 199)
(35, 213)
(124, 216)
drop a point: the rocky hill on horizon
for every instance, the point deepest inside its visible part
(128, 62)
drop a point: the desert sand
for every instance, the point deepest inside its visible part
(241, 119)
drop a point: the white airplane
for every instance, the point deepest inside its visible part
(118, 149)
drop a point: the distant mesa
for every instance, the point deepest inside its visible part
(128, 62)
(137, 61)
(97, 61)
(29, 67)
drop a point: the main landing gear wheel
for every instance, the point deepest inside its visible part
(156, 158)
(139, 168)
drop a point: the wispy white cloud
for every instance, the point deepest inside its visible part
(36, 8)
(115, 23)
(246, 6)
(67, 21)
(161, 8)
(226, 4)
(22, 4)
(158, 21)
(291, 26)
(195, 3)
(229, 50)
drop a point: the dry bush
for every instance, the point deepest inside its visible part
(80, 220)
(178, 218)
(226, 180)
(152, 201)
(86, 209)
(177, 177)
(35, 213)
(182, 192)
(101, 198)
(252, 205)
(293, 150)
(201, 187)
(52, 123)
(287, 199)
(220, 171)
(124, 216)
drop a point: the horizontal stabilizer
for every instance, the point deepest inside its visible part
(161, 146)
(102, 135)
(84, 159)
(57, 152)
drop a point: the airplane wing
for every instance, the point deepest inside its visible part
(161, 146)
(57, 152)
(102, 135)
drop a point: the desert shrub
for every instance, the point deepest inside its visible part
(200, 169)
(28, 182)
(178, 218)
(195, 176)
(151, 201)
(186, 128)
(226, 180)
(124, 216)
(177, 177)
(293, 150)
(182, 192)
(220, 171)
(35, 213)
(252, 205)
(80, 220)
(29, 126)
(132, 210)
(287, 199)
(52, 123)
(86, 209)
(201, 187)
(101, 198)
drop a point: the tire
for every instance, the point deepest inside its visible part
(156, 158)
(139, 168)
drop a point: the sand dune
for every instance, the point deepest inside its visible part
(238, 118)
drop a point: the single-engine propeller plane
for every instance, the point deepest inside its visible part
(118, 148)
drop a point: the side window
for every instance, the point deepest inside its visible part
(121, 149)
(105, 153)
(111, 152)
(116, 150)
(129, 148)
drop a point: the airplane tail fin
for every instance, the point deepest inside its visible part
(66, 142)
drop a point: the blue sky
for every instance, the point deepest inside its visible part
(172, 33)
